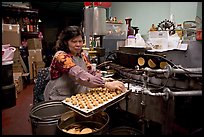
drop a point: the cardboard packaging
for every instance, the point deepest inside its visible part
(16, 54)
(35, 61)
(35, 55)
(34, 67)
(159, 39)
(17, 67)
(18, 81)
(34, 43)
(11, 34)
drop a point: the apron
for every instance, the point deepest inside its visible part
(65, 86)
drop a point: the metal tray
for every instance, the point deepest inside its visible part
(89, 112)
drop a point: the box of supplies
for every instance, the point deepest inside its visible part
(11, 34)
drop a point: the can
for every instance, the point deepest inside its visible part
(199, 34)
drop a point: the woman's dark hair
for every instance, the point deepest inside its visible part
(65, 35)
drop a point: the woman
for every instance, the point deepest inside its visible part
(70, 70)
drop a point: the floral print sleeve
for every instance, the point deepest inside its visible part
(85, 58)
(61, 63)
(90, 67)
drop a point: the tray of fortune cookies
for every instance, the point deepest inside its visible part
(94, 100)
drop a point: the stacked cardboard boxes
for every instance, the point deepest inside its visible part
(17, 67)
(11, 34)
(35, 59)
(34, 43)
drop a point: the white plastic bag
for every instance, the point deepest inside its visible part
(7, 52)
(139, 40)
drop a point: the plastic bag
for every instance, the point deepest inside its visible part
(139, 40)
(7, 52)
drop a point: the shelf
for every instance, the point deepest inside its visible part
(29, 34)
(17, 9)
(109, 22)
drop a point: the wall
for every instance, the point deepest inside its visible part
(144, 14)
(199, 10)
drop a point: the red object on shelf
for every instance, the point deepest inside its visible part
(98, 4)
(87, 3)
(106, 4)
(199, 34)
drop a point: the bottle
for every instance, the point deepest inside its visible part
(153, 28)
(24, 26)
(31, 25)
(179, 30)
(199, 31)
(27, 21)
(131, 40)
(136, 29)
(130, 29)
(172, 19)
(34, 25)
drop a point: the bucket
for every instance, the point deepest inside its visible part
(8, 96)
(7, 73)
(44, 117)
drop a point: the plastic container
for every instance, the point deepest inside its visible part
(131, 40)
(179, 31)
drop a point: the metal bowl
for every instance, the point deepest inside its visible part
(97, 122)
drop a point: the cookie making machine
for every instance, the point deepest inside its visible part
(165, 96)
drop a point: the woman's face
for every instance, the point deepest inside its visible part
(75, 44)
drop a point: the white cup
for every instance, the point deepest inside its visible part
(94, 66)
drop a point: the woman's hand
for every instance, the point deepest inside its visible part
(98, 73)
(115, 85)
(108, 79)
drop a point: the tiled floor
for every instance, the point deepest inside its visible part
(15, 120)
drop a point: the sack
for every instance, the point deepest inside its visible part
(7, 52)
(139, 40)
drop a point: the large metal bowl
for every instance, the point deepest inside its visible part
(98, 122)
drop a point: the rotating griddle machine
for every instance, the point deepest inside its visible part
(166, 89)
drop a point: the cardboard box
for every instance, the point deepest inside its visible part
(159, 34)
(11, 34)
(35, 55)
(31, 63)
(16, 54)
(34, 67)
(35, 61)
(40, 65)
(17, 69)
(18, 81)
(34, 43)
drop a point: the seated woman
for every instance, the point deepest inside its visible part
(71, 71)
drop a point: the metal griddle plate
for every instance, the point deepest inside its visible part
(89, 112)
